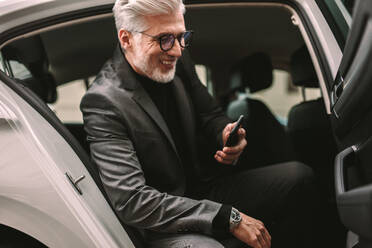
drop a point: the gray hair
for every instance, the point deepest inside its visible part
(129, 14)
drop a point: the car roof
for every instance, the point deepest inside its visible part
(15, 13)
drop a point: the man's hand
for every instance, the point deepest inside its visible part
(228, 155)
(252, 232)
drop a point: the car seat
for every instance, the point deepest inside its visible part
(30, 53)
(309, 128)
(266, 136)
(308, 124)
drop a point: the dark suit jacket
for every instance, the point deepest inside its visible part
(136, 155)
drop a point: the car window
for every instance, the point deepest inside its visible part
(282, 95)
(19, 71)
(15, 69)
(67, 106)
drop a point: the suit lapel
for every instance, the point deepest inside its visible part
(143, 99)
(187, 119)
(185, 109)
(129, 81)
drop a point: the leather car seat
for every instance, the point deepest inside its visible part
(267, 139)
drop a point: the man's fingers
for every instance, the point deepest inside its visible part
(222, 160)
(236, 149)
(261, 239)
(232, 150)
(230, 126)
(265, 236)
(228, 129)
(260, 222)
(253, 232)
(228, 156)
(241, 133)
(254, 241)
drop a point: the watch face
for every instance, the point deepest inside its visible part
(235, 216)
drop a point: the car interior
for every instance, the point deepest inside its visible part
(241, 48)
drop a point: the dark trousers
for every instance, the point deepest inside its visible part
(281, 195)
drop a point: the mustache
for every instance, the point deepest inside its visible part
(168, 57)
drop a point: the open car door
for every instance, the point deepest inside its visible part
(351, 103)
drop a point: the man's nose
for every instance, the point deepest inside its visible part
(176, 50)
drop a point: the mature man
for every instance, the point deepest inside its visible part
(142, 114)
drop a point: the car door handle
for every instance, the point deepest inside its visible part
(75, 182)
(353, 203)
(340, 167)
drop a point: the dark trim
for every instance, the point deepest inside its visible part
(11, 237)
(315, 42)
(330, 18)
(52, 20)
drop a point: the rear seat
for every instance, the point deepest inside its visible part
(308, 124)
(267, 139)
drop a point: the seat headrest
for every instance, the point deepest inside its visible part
(45, 87)
(254, 72)
(302, 69)
(30, 53)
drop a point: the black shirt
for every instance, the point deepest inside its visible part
(163, 96)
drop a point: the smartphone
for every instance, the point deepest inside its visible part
(233, 138)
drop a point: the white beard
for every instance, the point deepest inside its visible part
(142, 62)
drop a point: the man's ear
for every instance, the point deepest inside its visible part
(124, 39)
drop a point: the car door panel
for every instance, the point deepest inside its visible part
(351, 121)
(350, 103)
(353, 200)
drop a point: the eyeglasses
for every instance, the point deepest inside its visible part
(166, 41)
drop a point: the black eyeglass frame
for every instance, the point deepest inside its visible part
(159, 37)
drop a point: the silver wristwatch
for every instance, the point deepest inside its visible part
(235, 218)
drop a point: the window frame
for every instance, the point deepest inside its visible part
(338, 19)
(2, 62)
(6, 66)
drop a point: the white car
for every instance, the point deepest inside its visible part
(50, 51)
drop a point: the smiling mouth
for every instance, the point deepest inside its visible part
(167, 62)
